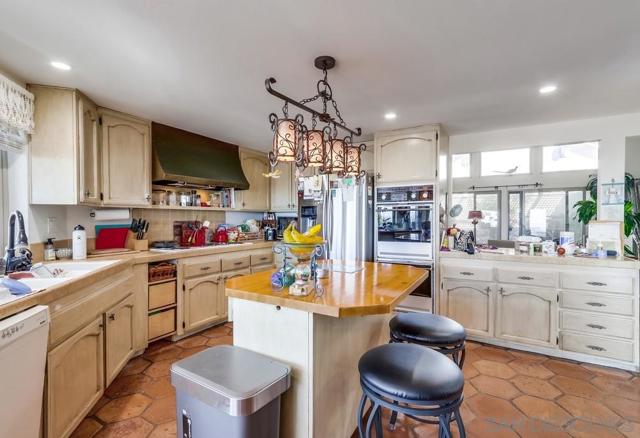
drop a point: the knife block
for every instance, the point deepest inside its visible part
(136, 245)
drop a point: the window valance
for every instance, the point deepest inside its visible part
(16, 115)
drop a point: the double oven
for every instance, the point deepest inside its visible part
(405, 234)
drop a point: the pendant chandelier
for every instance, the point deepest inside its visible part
(320, 146)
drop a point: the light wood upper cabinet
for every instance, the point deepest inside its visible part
(75, 379)
(88, 151)
(203, 301)
(256, 197)
(471, 304)
(283, 190)
(527, 314)
(407, 155)
(126, 159)
(119, 337)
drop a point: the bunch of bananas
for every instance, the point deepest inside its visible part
(291, 235)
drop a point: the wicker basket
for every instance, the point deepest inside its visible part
(162, 271)
(242, 237)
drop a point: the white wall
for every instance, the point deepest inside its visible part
(610, 131)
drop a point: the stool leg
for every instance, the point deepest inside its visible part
(363, 402)
(460, 424)
(394, 418)
(372, 416)
(444, 429)
(378, 421)
(462, 356)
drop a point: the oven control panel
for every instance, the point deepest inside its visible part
(423, 193)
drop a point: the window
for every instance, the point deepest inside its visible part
(578, 156)
(4, 200)
(544, 213)
(507, 162)
(461, 165)
(487, 202)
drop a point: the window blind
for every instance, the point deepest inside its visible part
(16, 115)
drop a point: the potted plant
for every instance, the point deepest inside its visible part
(588, 209)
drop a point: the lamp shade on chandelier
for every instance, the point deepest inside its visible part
(315, 147)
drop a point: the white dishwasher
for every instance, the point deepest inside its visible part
(23, 355)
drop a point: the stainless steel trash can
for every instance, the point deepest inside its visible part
(229, 392)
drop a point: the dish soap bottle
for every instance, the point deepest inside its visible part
(79, 243)
(49, 251)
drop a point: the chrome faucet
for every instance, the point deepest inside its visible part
(17, 255)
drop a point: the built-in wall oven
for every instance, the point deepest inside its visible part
(405, 235)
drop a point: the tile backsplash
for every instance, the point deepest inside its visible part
(161, 221)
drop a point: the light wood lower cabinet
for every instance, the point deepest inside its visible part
(119, 345)
(75, 379)
(527, 314)
(203, 301)
(470, 303)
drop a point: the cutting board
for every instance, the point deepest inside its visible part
(109, 238)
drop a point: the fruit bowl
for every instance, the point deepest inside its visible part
(304, 251)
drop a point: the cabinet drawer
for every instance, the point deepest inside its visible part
(467, 272)
(162, 323)
(163, 294)
(261, 268)
(597, 324)
(528, 277)
(201, 266)
(597, 303)
(237, 262)
(262, 258)
(596, 281)
(597, 346)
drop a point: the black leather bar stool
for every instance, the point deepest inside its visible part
(434, 331)
(416, 381)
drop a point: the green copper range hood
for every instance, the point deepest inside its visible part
(185, 159)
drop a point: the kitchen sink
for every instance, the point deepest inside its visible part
(74, 269)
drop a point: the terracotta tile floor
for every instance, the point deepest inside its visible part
(507, 394)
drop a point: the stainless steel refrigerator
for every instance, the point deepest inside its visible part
(346, 213)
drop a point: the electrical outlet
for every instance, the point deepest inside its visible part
(51, 226)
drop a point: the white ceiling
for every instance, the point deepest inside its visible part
(200, 65)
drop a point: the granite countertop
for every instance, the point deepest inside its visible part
(121, 263)
(368, 289)
(512, 256)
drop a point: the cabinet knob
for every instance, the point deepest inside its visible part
(112, 317)
(596, 283)
(594, 304)
(147, 197)
(378, 175)
(596, 348)
(87, 193)
(596, 326)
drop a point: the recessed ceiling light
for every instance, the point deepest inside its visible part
(548, 89)
(60, 65)
(390, 116)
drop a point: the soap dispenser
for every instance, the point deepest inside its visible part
(79, 243)
(49, 251)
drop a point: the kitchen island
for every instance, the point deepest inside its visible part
(321, 337)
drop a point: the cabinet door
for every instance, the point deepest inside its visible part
(126, 160)
(88, 152)
(527, 314)
(471, 304)
(282, 189)
(75, 379)
(406, 157)
(256, 197)
(203, 301)
(119, 346)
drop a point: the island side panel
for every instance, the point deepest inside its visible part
(283, 334)
(338, 344)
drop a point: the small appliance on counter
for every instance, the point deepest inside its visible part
(270, 234)
(79, 243)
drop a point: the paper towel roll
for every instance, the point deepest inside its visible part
(112, 214)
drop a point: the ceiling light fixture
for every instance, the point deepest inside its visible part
(390, 116)
(548, 89)
(60, 65)
(320, 146)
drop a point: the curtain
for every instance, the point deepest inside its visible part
(16, 115)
